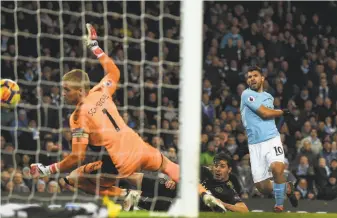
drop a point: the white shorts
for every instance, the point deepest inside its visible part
(262, 155)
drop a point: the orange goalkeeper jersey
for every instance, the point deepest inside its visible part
(96, 121)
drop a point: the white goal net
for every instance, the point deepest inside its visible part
(42, 40)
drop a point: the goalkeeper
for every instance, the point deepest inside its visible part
(96, 123)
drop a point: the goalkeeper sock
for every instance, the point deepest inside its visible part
(279, 190)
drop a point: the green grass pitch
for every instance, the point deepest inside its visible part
(230, 214)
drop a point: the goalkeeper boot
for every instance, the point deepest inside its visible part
(131, 200)
(213, 203)
(291, 195)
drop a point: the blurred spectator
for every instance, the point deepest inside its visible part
(207, 108)
(231, 145)
(7, 155)
(27, 179)
(326, 152)
(304, 168)
(53, 187)
(245, 175)
(316, 144)
(234, 35)
(19, 184)
(206, 158)
(306, 129)
(128, 120)
(2, 142)
(322, 173)
(40, 186)
(22, 122)
(47, 113)
(55, 95)
(29, 138)
(242, 143)
(171, 154)
(307, 152)
(5, 177)
(329, 191)
(10, 186)
(66, 140)
(302, 191)
(25, 161)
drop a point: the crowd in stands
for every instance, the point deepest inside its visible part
(294, 44)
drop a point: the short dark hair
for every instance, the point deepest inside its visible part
(222, 156)
(255, 68)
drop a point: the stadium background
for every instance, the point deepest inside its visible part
(293, 42)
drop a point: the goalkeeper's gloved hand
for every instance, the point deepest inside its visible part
(38, 170)
(91, 41)
(286, 112)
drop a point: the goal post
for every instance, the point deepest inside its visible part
(190, 106)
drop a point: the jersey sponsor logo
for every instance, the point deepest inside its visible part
(230, 185)
(251, 99)
(79, 133)
(92, 111)
(219, 189)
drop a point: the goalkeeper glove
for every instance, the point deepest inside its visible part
(38, 170)
(286, 112)
(91, 42)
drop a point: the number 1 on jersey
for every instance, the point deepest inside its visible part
(111, 119)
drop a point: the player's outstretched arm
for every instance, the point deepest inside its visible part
(72, 160)
(267, 113)
(107, 63)
(238, 207)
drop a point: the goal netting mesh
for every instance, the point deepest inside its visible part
(41, 41)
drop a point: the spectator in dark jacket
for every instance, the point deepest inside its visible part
(329, 191)
(322, 173)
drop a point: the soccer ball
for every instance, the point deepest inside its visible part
(10, 93)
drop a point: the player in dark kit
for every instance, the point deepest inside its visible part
(216, 181)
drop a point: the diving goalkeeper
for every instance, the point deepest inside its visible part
(96, 123)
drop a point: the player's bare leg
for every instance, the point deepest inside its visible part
(106, 184)
(280, 187)
(277, 169)
(265, 186)
(93, 184)
(89, 187)
(171, 169)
